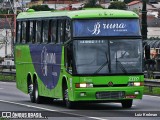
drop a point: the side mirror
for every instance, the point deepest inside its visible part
(147, 51)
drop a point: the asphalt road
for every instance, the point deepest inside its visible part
(14, 102)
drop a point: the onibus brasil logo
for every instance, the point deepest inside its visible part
(46, 58)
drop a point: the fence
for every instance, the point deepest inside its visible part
(152, 83)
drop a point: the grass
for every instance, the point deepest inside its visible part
(155, 91)
(7, 78)
(3, 118)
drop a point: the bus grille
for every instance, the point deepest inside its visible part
(110, 95)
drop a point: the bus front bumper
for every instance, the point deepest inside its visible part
(107, 94)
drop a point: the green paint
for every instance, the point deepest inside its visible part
(89, 13)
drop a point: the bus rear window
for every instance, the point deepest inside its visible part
(106, 27)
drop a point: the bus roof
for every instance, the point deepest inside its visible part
(80, 14)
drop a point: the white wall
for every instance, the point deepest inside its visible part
(2, 46)
(138, 6)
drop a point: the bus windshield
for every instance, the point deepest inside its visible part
(108, 56)
(106, 27)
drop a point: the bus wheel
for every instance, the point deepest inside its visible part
(31, 93)
(69, 104)
(127, 103)
(38, 99)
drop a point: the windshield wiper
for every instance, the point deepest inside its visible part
(104, 64)
(121, 66)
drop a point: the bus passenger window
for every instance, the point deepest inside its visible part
(68, 58)
(19, 31)
(68, 31)
(27, 31)
(45, 31)
(23, 32)
(38, 31)
(53, 32)
(60, 31)
(31, 32)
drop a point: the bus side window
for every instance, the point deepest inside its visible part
(18, 32)
(67, 30)
(45, 31)
(23, 40)
(38, 31)
(53, 31)
(60, 31)
(31, 32)
(27, 31)
(68, 58)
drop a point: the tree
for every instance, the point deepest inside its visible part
(2, 11)
(117, 5)
(6, 11)
(127, 1)
(41, 8)
(92, 4)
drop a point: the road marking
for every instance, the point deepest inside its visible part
(98, 118)
(78, 115)
(3, 82)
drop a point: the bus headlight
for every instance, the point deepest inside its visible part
(135, 83)
(84, 85)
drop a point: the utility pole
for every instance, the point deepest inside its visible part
(6, 42)
(14, 6)
(22, 6)
(14, 28)
(144, 21)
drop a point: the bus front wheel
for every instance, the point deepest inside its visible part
(69, 104)
(127, 103)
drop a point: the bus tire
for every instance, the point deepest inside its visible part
(38, 99)
(69, 104)
(31, 93)
(127, 103)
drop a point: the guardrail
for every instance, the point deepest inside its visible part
(8, 73)
(152, 74)
(152, 83)
(9, 67)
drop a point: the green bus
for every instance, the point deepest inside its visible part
(73, 56)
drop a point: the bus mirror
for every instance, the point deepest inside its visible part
(147, 52)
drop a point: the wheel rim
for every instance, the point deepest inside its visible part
(36, 93)
(31, 89)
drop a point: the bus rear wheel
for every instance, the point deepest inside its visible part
(127, 103)
(38, 99)
(69, 104)
(31, 93)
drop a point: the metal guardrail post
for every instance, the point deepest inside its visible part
(150, 89)
(152, 83)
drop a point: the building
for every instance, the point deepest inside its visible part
(63, 4)
(137, 5)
